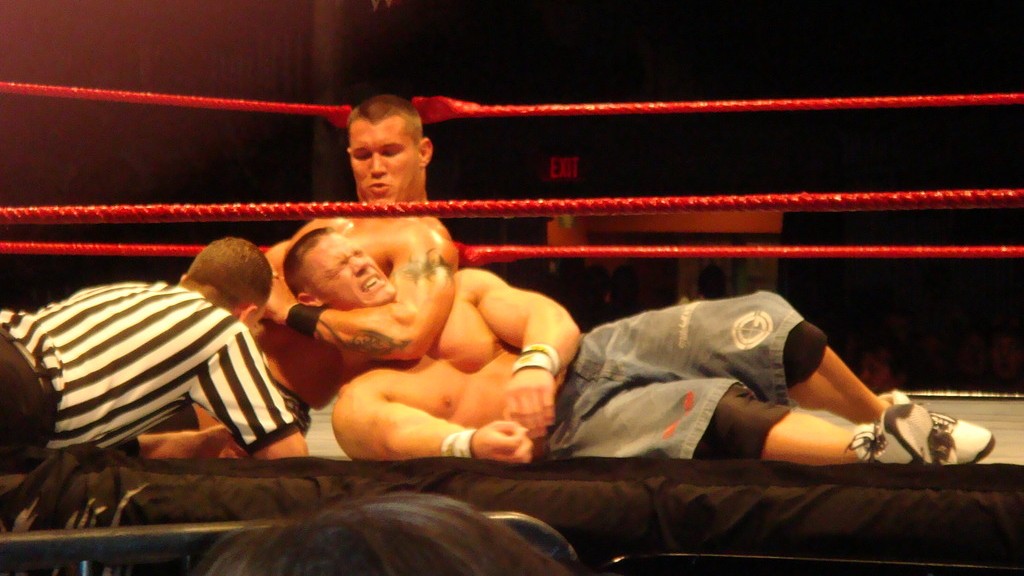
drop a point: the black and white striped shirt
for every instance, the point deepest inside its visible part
(125, 356)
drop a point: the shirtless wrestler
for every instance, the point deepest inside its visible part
(389, 157)
(664, 383)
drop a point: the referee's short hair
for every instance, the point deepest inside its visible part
(235, 269)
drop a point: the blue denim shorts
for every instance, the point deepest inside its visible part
(647, 385)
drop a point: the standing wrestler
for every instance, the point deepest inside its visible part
(112, 361)
(389, 157)
(709, 379)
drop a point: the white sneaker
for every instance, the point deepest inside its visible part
(901, 436)
(958, 441)
(953, 441)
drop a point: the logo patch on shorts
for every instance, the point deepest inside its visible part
(684, 324)
(751, 329)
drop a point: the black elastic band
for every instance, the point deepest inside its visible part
(803, 352)
(303, 319)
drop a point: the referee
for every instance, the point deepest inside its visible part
(112, 361)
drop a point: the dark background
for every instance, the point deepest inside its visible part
(59, 151)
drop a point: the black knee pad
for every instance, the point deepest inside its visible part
(805, 347)
(739, 426)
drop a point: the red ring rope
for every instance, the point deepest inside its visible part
(98, 249)
(799, 202)
(337, 115)
(480, 255)
(441, 108)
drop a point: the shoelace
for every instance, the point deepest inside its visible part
(872, 441)
(942, 423)
(940, 440)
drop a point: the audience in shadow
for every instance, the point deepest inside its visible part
(975, 357)
(1006, 359)
(711, 283)
(624, 292)
(882, 364)
(402, 534)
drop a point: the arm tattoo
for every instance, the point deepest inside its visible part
(375, 344)
(431, 266)
(369, 342)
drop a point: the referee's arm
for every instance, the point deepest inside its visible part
(290, 446)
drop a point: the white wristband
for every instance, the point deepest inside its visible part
(540, 356)
(458, 444)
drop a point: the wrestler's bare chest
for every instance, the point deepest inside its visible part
(461, 379)
(439, 388)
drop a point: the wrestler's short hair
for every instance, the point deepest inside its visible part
(295, 273)
(401, 534)
(383, 106)
(231, 272)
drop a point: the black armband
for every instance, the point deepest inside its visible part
(303, 318)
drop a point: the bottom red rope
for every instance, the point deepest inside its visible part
(480, 255)
(476, 255)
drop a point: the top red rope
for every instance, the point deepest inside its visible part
(337, 115)
(799, 202)
(441, 108)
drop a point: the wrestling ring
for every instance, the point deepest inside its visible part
(627, 517)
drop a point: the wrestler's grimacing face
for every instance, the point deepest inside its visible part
(345, 277)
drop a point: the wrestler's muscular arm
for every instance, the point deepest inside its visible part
(370, 426)
(519, 318)
(423, 265)
(423, 260)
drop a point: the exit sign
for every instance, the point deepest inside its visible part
(560, 169)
